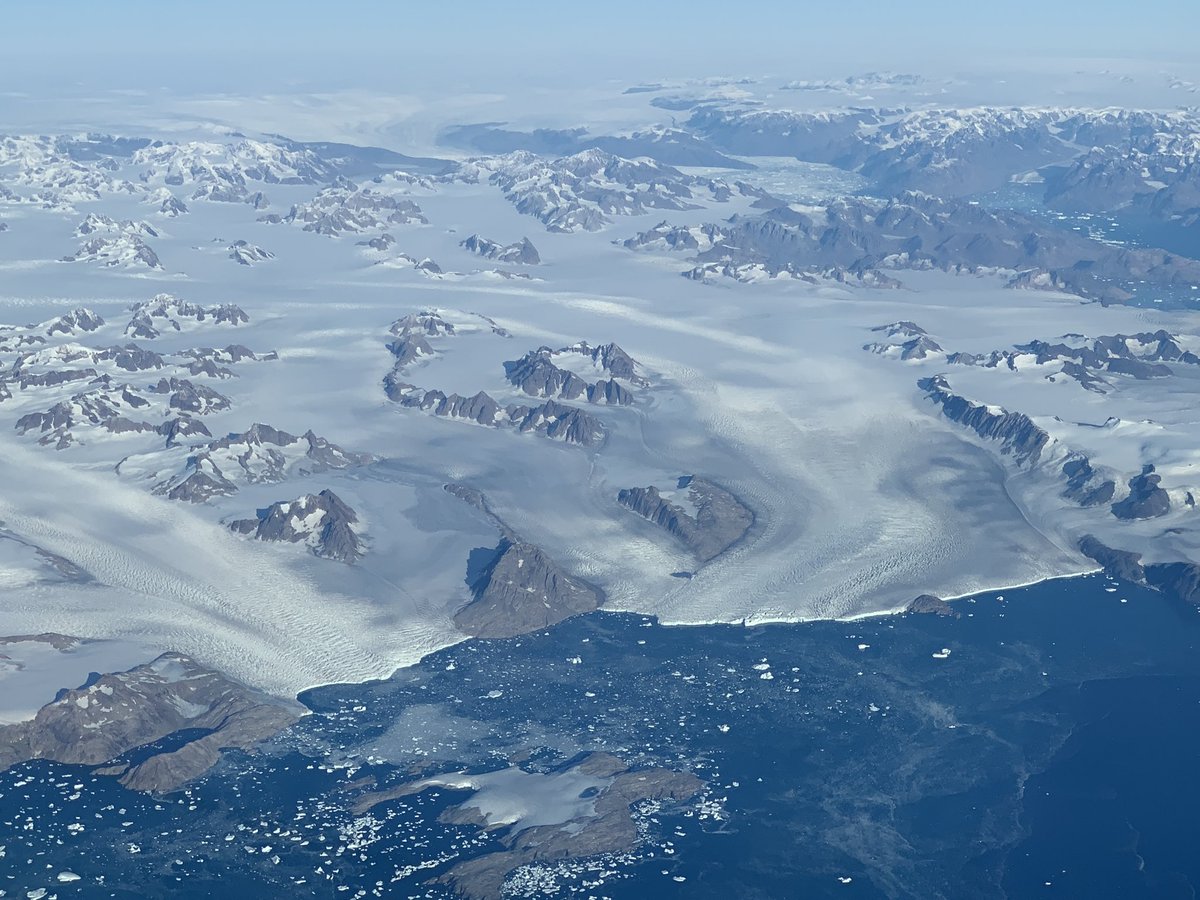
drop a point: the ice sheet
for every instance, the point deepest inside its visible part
(864, 497)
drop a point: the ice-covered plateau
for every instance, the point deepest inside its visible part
(243, 464)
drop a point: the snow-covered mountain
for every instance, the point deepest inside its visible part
(948, 152)
(583, 191)
(918, 231)
(538, 375)
(349, 209)
(77, 321)
(869, 81)
(167, 312)
(673, 146)
(259, 455)
(116, 250)
(322, 522)
(523, 252)
(1155, 174)
(231, 164)
(246, 254)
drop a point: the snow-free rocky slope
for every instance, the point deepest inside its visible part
(98, 724)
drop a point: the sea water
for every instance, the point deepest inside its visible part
(1051, 751)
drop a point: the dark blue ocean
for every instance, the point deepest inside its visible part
(1054, 752)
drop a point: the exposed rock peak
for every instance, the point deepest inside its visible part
(522, 253)
(1015, 431)
(166, 311)
(102, 723)
(1146, 499)
(521, 590)
(323, 522)
(716, 519)
(537, 375)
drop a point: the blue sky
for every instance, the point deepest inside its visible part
(303, 40)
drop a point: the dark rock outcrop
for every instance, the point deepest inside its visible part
(1180, 580)
(610, 829)
(182, 427)
(1123, 564)
(1137, 368)
(52, 379)
(408, 349)
(719, 520)
(81, 319)
(165, 311)
(1086, 379)
(607, 827)
(187, 397)
(481, 408)
(131, 358)
(382, 242)
(346, 208)
(429, 323)
(558, 422)
(610, 357)
(920, 231)
(523, 252)
(1146, 499)
(521, 590)
(928, 604)
(536, 374)
(902, 328)
(919, 348)
(1025, 441)
(1015, 431)
(114, 721)
(172, 206)
(611, 392)
(214, 362)
(322, 521)
(580, 192)
(103, 406)
(262, 455)
(1150, 171)
(246, 254)
(1084, 485)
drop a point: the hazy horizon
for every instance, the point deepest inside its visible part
(275, 45)
(396, 75)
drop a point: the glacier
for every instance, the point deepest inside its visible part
(863, 495)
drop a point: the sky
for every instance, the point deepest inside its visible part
(397, 73)
(219, 43)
